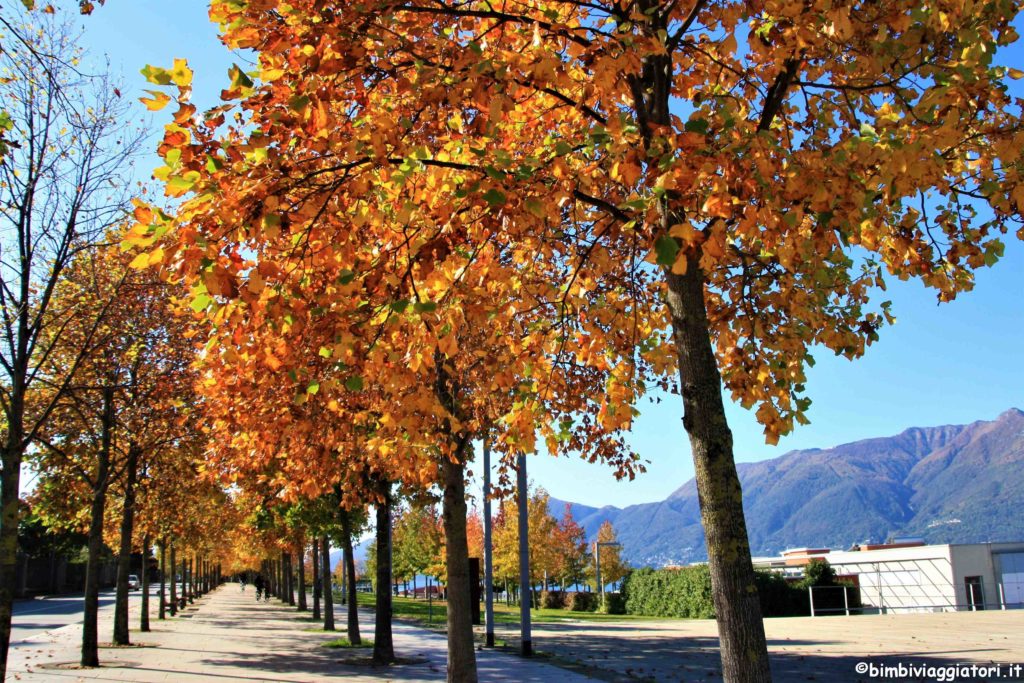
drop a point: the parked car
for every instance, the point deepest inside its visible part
(133, 582)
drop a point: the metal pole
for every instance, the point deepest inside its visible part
(488, 560)
(524, 561)
(846, 599)
(810, 592)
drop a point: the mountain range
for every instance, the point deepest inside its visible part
(949, 484)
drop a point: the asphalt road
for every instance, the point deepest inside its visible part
(33, 617)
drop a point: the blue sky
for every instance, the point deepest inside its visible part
(948, 364)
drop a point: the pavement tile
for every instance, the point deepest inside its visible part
(227, 636)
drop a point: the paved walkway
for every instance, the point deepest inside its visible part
(227, 636)
(800, 648)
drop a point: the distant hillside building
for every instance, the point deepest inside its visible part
(908, 576)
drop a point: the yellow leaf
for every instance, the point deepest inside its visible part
(1015, 74)
(181, 74)
(157, 102)
(139, 262)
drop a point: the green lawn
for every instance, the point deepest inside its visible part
(435, 613)
(344, 643)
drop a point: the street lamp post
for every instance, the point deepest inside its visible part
(597, 563)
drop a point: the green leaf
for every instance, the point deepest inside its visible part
(325, 352)
(400, 305)
(696, 126)
(157, 75)
(213, 164)
(200, 303)
(425, 306)
(534, 206)
(313, 387)
(354, 383)
(495, 197)
(346, 276)
(562, 148)
(667, 248)
(238, 77)
(298, 103)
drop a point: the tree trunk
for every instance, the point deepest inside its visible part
(302, 575)
(174, 585)
(383, 644)
(124, 558)
(286, 568)
(525, 590)
(163, 579)
(144, 577)
(461, 653)
(350, 586)
(90, 634)
(488, 552)
(10, 481)
(741, 629)
(316, 579)
(325, 582)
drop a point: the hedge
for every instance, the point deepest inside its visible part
(686, 593)
(581, 602)
(552, 599)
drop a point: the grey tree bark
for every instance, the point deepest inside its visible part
(90, 634)
(124, 558)
(383, 644)
(350, 585)
(325, 582)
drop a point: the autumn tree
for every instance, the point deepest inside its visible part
(418, 539)
(613, 568)
(139, 360)
(758, 168)
(64, 179)
(543, 537)
(570, 542)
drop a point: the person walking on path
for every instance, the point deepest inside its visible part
(259, 586)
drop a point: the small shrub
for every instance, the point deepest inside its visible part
(780, 598)
(819, 572)
(614, 603)
(552, 600)
(581, 602)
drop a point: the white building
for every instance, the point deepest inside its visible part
(909, 576)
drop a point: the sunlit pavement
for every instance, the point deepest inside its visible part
(228, 636)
